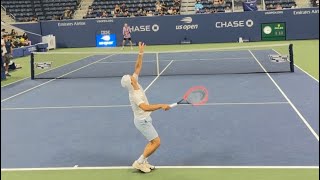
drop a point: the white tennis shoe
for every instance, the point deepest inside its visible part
(152, 167)
(142, 167)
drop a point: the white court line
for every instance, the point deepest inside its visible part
(53, 79)
(157, 76)
(162, 60)
(299, 68)
(109, 62)
(160, 167)
(157, 63)
(211, 59)
(286, 97)
(121, 106)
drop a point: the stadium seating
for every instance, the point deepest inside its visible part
(132, 6)
(285, 4)
(26, 10)
(216, 8)
(314, 3)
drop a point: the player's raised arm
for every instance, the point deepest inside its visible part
(138, 65)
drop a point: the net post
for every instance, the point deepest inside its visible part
(157, 62)
(32, 65)
(291, 57)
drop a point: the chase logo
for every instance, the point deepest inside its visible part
(234, 24)
(106, 38)
(187, 20)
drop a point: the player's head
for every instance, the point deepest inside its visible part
(128, 82)
(125, 25)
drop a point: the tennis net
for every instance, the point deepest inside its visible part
(236, 60)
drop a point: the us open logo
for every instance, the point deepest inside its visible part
(106, 38)
(187, 20)
(187, 26)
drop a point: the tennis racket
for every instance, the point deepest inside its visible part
(197, 95)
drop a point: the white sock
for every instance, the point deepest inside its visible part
(141, 159)
(145, 160)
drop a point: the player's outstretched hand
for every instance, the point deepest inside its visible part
(165, 107)
(141, 47)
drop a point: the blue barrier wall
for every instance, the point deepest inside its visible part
(203, 28)
(23, 51)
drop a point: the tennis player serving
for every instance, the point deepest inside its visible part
(126, 31)
(142, 111)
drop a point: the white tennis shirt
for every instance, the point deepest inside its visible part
(136, 98)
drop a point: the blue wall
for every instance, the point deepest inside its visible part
(203, 28)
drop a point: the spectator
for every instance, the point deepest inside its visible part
(67, 13)
(13, 33)
(139, 12)
(123, 8)
(3, 47)
(171, 11)
(3, 32)
(99, 12)
(126, 13)
(15, 41)
(34, 19)
(175, 11)
(216, 2)
(55, 17)
(158, 6)
(104, 14)
(198, 7)
(227, 9)
(90, 9)
(25, 19)
(164, 7)
(25, 40)
(13, 66)
(177, 4)
(207, 11)
(117, 10)
(278, 7)
(8, 52)
(222, 2)
(144, 13)
(132, 15)
(149, 13)
(140, 6)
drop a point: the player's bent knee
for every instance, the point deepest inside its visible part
(156, 141)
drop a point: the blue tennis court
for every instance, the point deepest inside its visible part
(251, 119)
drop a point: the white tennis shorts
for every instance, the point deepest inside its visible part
(146, 128)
